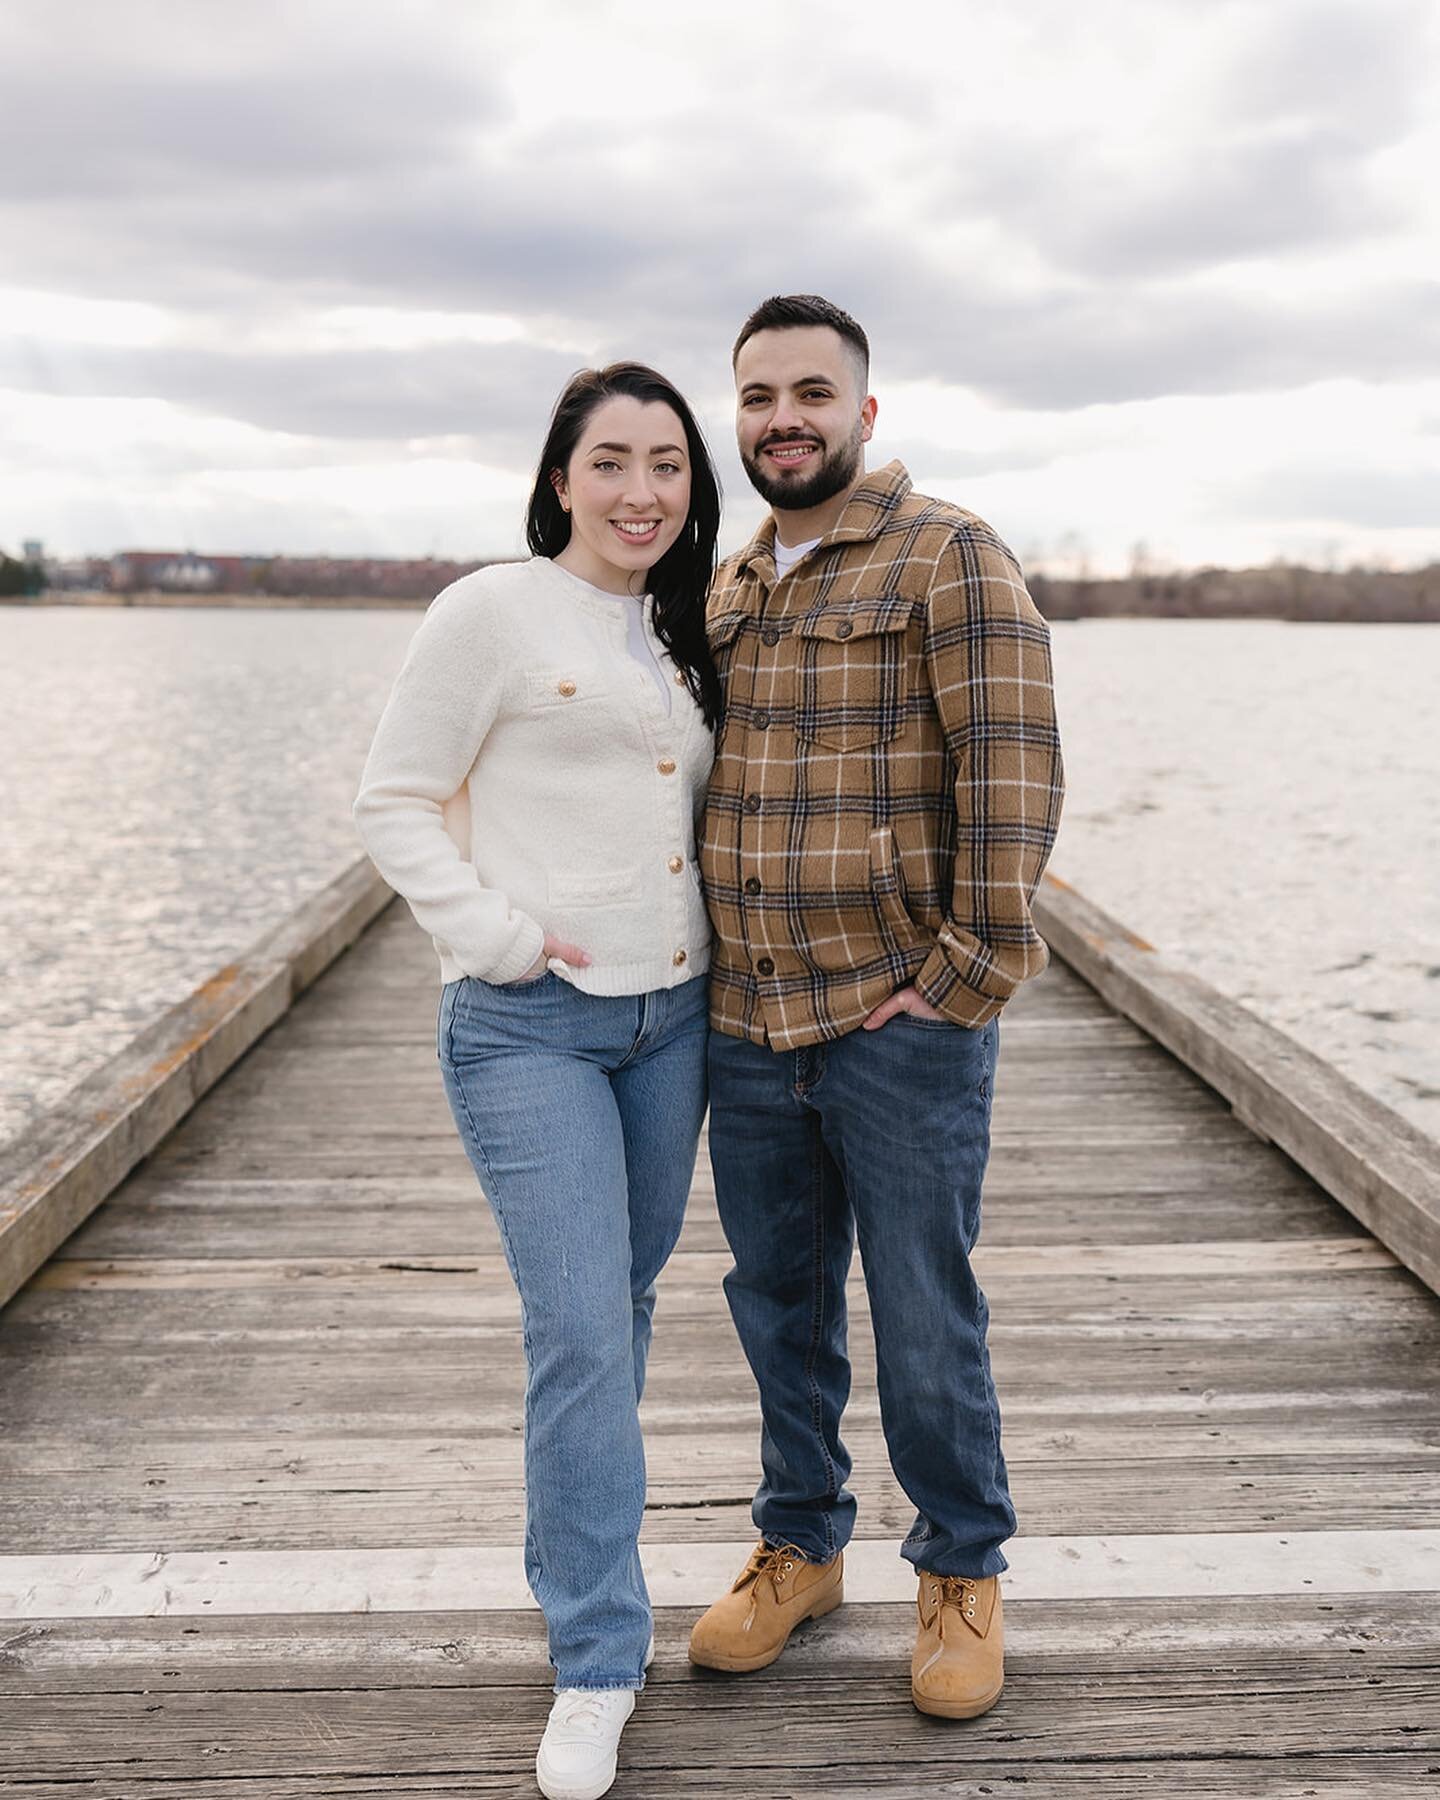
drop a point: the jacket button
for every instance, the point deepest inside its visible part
(666, 765)
(764, 966)
(762, 721)
(752, 884)
(676, 865)
(752, 803)
(678, 958)
(567, 688)
(844, 628)
(769, 635)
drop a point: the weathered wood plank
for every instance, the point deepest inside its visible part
(398, 1649)
(689, 1571)
(837, 1728)
(400, 1506)
(1216, 1777)
(1036, 1261)
(1318, 1306)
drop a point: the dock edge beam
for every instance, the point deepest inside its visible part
(1379, 1166)
(58, 1170)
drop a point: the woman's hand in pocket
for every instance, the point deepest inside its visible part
(557, 948)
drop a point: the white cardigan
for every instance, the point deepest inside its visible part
(525, 778)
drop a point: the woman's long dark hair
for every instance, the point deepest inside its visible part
(681, 578)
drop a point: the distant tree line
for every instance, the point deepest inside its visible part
(20, 579)
(1281, 591)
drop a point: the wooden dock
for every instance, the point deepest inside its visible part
(260, 1462)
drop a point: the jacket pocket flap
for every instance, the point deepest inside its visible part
(866, 618)
(722, 627)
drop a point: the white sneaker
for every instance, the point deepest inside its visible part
(576, 1760)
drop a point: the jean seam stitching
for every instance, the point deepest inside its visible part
(817, 1322)
(491, 1191)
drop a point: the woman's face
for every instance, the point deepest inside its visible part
(627, 491)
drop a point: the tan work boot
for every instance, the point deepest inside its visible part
(958, 1668)
(777, 1589)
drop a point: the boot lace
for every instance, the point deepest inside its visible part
(960, 1592)
(774, 1561)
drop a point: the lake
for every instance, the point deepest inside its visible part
(1259, 800)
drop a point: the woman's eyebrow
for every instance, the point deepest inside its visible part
(655, 449)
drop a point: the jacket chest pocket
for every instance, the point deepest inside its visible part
(852, 674)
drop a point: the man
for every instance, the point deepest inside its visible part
(886, 792)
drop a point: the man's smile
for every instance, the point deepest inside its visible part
(791, 453)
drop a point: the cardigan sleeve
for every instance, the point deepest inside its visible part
(988, 656)
(445, 699)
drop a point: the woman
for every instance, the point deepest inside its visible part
(533, 791)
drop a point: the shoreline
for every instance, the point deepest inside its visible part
(1218, 596)
(151, 597)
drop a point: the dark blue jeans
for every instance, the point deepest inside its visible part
(884, 1134)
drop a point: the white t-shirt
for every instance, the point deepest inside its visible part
(787, 555)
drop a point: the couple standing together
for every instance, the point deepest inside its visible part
(841, 753)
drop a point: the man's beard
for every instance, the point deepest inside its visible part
(836, 472)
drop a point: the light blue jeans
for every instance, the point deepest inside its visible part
(580, 1114)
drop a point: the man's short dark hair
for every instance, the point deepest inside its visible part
(781, 311)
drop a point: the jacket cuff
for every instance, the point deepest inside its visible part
(939, 985)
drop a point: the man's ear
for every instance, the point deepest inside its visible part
(868, 409)
(557, 481)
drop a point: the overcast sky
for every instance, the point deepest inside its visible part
(308, 276)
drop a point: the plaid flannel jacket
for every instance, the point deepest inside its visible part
(887, 779)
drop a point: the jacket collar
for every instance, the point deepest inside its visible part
(866, 514)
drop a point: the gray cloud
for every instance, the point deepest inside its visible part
(1084, 349)
(144, 101)
(495, 396)
(1358, 68)
(1256, 196)
(1279, 158)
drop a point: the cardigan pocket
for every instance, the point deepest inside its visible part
(852, 673)
(598, 887)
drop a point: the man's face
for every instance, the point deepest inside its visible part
(801, 417)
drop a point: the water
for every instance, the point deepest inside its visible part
(1261, 801)
(1258, 800)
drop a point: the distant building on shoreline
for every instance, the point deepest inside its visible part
(298, 577)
